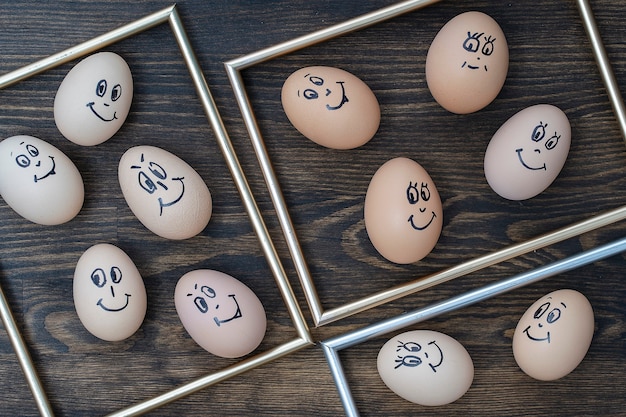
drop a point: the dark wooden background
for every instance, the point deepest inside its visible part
(551, 62)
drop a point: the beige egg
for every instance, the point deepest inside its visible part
(527, 152)
(403, 211)
(165, 193)
(331, 107)
(109, 293)
(220, 313)
(39, 181)
(553, 335)
(94, 99)
(426, 367)
(467, 63)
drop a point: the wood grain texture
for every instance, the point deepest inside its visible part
(551, 62)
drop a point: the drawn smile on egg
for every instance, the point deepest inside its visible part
(312, 94)
(203, 306)
(24, 161)
(101, 90)
(233, 317)
(414, 226)
(177, 199)
(344, 99)
(105, 308)
(50, 172)
(91, 106)
(473, 67)
(519, 156)
(537, 339)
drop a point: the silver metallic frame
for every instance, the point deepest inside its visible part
(319, 314)
(303, 339)
(331, 347)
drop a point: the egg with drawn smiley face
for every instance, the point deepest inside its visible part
(39, 181)
(426, 367)
(403, 211)
(553, 335)
(331, 107)
(467, 63)
(165, 193)
(94, 99)
(109, 293)
(527, 153)
(220, 313)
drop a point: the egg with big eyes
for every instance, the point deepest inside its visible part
(165, 193)
(109, 293)
(528, 152)
(220, 313)
(554, 334)
(39, 181)
(403, 211)
(94, 99)
(467, 63)
(426, 367)
(331, 107)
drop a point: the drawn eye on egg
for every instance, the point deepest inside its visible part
(201, 303)
(153, 179)
(412, 360)
(102, 108)
(30, 159)
(473, 45)
(318, 90)
(543, 320)
(100, 280)
(414, 195)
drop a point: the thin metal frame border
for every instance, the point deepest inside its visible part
(303, 339)
(332, 346)
(319, 314)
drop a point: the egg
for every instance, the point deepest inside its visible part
(467, 63)
(39, 181)
(109, 293)
(331, 107)
(220, 313)
(527, 152)
(164, 192)
(426, 367)
(403, 211)
(94, 99)
(552, 337)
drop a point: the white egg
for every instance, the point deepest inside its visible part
(426, 367)
(165, 193)
(39, 181)
(109, 293)
(94, 99)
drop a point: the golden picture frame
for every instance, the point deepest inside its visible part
(170, 16)
(322, 316)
